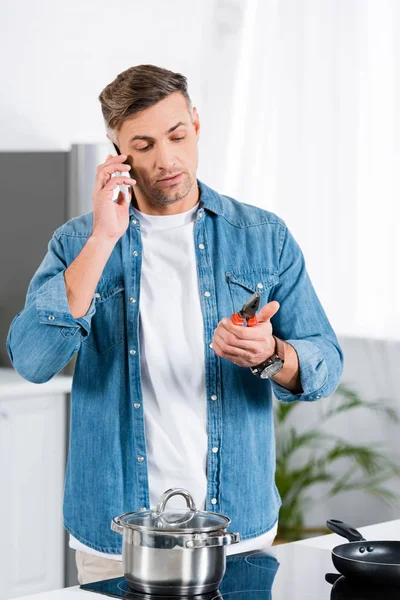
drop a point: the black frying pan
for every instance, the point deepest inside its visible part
(375, 561)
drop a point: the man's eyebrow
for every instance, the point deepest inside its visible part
(151, 139)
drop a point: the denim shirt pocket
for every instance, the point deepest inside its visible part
(243, 283)
(108, 322)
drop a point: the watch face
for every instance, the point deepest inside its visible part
(272, 370)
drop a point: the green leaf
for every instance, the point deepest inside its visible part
(283, 410)
(352, 400)
(291, 441)
(368, 459)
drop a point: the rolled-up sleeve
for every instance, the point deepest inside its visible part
(53, 308)
(301, 321)
(44, 336)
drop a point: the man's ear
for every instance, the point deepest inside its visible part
(107, 136)
(196, 121)
(115, 146)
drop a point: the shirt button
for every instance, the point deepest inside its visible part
(215, 450)
(207, 294)
(51, 318)
(260, 286)
(97, 295)
(201, 246)
(132, 299)
(140, 458)
(213, 397)
(133, 221)
(142, 509)
(135, 253)
(137, 405)
(318, 395)
(213, 501)
(132, 351)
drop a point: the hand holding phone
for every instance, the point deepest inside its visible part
(123, 187)
(111, 219)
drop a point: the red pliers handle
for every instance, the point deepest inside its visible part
(248, 311)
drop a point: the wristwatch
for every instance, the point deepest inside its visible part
(273, 364)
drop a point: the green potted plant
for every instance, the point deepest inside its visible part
(306, 458)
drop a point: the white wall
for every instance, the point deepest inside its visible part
(56, 59)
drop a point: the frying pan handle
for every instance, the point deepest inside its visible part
(345, 530)
(332, 577)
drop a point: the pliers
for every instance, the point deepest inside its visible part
(248, 311)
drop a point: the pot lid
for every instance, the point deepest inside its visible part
(184, 520)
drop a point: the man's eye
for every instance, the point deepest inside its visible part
(148, 147)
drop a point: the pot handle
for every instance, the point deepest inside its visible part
(217, 540)
(175, 492)
(345, 530)
(116, 525)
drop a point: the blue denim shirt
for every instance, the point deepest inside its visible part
(246, 249)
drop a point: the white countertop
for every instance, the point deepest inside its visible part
(13, 385)
(389, 530)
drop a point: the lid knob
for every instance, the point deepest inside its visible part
(175, 492)
(161, 517)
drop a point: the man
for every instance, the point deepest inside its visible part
(165, 391)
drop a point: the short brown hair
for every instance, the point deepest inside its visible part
(136, 89)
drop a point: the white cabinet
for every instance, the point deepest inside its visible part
(32, 469)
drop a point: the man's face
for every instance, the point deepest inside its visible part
(161, 142)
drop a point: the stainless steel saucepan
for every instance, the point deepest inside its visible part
(174, 552)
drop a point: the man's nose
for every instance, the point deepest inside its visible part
(165, 158)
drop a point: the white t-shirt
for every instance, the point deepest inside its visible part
(171, 333)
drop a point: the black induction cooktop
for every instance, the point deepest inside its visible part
(286, 572)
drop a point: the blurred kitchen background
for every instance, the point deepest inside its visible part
(298, 103)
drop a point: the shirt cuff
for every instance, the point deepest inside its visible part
(313, 373)
(53, 308)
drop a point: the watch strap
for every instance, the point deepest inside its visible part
(279, 348)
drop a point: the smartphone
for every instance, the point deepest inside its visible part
(123, 187)
(116, 149)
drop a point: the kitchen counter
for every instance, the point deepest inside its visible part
(301, 560)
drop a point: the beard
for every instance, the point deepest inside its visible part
(172, 193)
